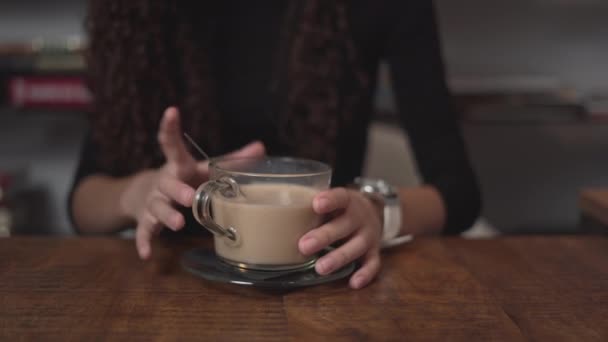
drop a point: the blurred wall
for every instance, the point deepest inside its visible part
(556, 37)
(30, 19)
(45, 143)
(531, 173)
(563, 38)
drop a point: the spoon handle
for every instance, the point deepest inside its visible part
(198, 148)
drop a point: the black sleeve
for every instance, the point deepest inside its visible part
(427, 114)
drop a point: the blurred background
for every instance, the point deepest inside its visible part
(529, 76)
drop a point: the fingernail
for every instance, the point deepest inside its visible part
(325, 266)
(250, 145)
(255, 142)
(321, 204)
(177, 222)
(309, 245)
(357, 282)
(144, 252)
(188, 196)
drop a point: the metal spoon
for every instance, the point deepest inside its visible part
(200, 150)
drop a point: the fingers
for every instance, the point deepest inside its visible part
(251, 150)
(351, 250)
(368, 271)
(170, 138)
(166, 214)
(176, 190)
(334, 230)
(157, 213)
(147, 226)
(328, 201)
(203, 168)
(151, 222)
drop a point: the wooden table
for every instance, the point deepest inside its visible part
(593, 204)
(514, 288)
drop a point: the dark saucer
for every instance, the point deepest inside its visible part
(204, 263)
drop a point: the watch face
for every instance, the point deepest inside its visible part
(384, 187)
(373, 185)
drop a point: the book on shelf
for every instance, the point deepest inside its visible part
(30, 58)
(43, 75)
(596, 105)
(49, 92)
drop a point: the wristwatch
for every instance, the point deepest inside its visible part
(380, 191)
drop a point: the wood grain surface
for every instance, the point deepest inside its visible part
(446, 289)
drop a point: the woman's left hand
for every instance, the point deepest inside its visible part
(354, 218)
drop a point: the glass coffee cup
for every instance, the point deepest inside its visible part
(258, 209)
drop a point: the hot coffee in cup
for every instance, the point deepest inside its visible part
(259, 208)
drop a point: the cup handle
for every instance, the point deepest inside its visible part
(202, 213)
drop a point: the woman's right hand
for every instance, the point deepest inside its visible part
(152, 195)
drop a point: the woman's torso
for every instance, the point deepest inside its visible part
(247, 48)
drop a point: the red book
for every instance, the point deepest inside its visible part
(49, 92)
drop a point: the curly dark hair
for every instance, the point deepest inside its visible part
(142, 58)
